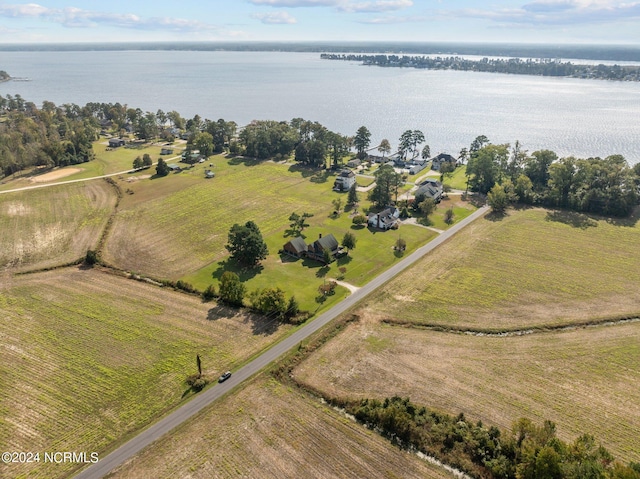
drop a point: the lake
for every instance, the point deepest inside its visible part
(570, 116)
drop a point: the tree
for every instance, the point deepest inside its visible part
(427, 207)
(337, 146)
(162, 169)
(137, 163)
(449, 216)
(337, 204)
(271, 302)
(349, 240)
(359, 220)
(384, 147)
(231, 290)
(405, 143)
(352, 199)
(478, 143)
(484, 166)
(203, 142)
(298, 222)
(362, 141)
(497, 199)
(426, 152)
(387, 184)
(524, 189)
(400, 245)
(146, 160)
(246, 244)
(293, 308)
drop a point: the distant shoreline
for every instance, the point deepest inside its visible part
(542, 51)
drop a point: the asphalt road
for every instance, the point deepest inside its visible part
(204, 399)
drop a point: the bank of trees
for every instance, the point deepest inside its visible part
(593, 185)
(529, 451)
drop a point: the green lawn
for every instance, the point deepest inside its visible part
(458, 180)
(187, 219)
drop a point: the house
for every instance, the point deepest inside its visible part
(345, 180)
(316, 249)
(166, 151)
(296, 247)
(354, 163)
(417, 167)
(115, 142)
(209, 174)
(437, 162)
(430, 188)
(173, 167)
(389, 218)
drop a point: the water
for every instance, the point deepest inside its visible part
(570, 116)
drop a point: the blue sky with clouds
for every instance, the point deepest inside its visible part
(530, 21)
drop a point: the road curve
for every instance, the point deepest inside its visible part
(202, 400)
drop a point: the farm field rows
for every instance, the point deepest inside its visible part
(531, 268)
(51, 226)
(585, 380)
(87, 357)
(269, 430)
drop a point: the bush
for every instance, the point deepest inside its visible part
(196, 382)
(91, 257)
(209, 293)
(359, 220)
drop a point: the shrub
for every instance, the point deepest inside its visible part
(91, 257)
(209, 293)
(359, 220)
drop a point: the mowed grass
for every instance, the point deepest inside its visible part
(106, 162)
(531, 268)
(177, 226)
(51, 226)
(269, 430)
(585, 380)
(88, 357)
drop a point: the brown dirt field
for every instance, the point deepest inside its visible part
(269, 430)
(52, 226)
(87, 357)
(585, 380)
(55, 175)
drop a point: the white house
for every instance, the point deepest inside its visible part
(388, 218)
(345, 180)
(430, 188)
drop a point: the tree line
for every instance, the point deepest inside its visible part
(517, 66)
(592, 185)
(530, 451)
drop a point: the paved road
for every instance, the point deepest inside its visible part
(202, 400)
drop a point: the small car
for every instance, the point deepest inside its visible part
(224, 377)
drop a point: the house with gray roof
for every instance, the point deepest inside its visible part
(430, 188)
(296, 247)
(388, 218)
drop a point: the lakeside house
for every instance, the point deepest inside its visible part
(345, 180)
(115, 142)
(430, 188)
(439, 160)
(388, 218)
(297, 248)
(354, 163)
(173, 167)
(166, 151)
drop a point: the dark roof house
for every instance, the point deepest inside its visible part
(116, 142)
(316, 249)
(296, 247)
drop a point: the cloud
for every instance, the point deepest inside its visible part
(348, 6)
(72, 17)
(374, 7)
(556, 12)
(275, 18)
(394, 19)
(296, 3)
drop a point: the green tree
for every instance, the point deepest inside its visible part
(537, 166)
(400, 245)
(426, 152)
(231, 290)
(484, 166)
(427, 207)
(387, 184)
(203, 142)
(362, 140)
(349, 240)
(498, 199)
(449, 216)
(384, 148)
(137, 163)
(162, 169)
(524, 189)
(293, 308)
(337, 204)
(146, 160)
(271, 302)
(246, 245)
(359, 220)
(352, 198)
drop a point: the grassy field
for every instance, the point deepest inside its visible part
(187, 218)
(87, 357)
(458, 180)
(50, 226)
(268, 430)
(585, 380)
(531, 268)
(107, 161)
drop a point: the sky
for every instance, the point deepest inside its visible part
(522, 21)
